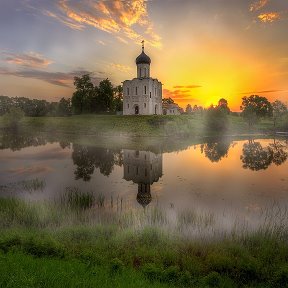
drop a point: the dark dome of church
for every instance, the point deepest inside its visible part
(144, 199)
(143, 59)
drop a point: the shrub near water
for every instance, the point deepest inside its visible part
(13, 118)
(75, 199)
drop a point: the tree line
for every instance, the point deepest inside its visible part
(35, 107)
(106, 98)
(87, 98)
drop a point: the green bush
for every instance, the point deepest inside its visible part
(281, 278)
(216, 120)
(171, 274)
(152, 272)
(13, 118)
(185, 278)
(213, 279)
(43, 248)
(116, 266)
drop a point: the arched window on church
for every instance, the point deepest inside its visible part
(145, 90)
(150, 95)
(144, 105)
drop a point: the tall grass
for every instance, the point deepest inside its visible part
(161, 248)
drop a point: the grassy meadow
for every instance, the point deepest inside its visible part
(76, 242)
(153, 126)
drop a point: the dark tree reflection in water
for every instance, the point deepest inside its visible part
(280, 154)
(87, 159)
(256, 157)
(216, 149)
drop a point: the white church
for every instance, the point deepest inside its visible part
(142, 95)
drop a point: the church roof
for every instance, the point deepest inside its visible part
(143, 58)
(144, 199)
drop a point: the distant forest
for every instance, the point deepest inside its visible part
(88, 98)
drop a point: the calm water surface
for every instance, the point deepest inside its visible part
(226, 178)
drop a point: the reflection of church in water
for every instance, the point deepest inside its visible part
(143, 168)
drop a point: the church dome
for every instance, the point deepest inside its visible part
(143, 59)
(144, 199)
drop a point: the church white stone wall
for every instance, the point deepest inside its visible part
(142, 95)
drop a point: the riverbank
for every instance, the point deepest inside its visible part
(93, 247)
(138, 126)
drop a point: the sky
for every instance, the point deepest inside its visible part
(200, 50)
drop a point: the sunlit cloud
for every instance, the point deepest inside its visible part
(269, 17)
(183, 95)
(187, 87)
(64, 20)
(125, 19)
(258, 5)
(261, 92)
(31, 59)
(55, 78)
(120, 67)
(101, 42)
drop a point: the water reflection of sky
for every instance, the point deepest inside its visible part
(205, 177)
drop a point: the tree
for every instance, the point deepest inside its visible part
(279, 109)
(223, 105)
(104, 96)
(13, 118)
(255, 157)
(216, 119)
(118, 98)
(82, 96)
(167, 101)
(280, 152)
(216, 149)
(254, 107)
(64, 107)
(5, 104)
(188, 109)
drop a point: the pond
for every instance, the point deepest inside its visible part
(227, 180)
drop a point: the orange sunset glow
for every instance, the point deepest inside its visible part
(201, 51)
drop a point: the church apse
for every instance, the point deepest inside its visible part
(143, 168)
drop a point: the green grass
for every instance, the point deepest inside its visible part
(21, 270)
(46, 244)
(153, 126)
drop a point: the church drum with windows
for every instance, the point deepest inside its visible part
(142, 95)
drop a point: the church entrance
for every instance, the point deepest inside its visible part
(136, 110)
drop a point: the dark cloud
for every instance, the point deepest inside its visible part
(64, 79)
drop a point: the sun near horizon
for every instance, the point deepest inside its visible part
(201, 52)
